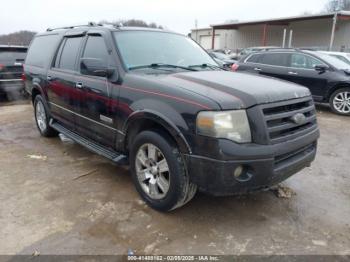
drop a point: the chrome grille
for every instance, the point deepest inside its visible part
(280, 123)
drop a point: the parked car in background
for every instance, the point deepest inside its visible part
(345, 57)
(11, 69)
(228, 52)
(249, 50)
(164, 107)
(224, 60)
(327, 77)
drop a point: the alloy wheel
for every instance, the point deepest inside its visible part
(40, 116)
(152, 171)
(341, 102)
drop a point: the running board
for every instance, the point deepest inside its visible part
(92, 146)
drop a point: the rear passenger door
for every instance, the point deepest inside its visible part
(273, 64)
(268, 64)
(62, 92)
(95, 120)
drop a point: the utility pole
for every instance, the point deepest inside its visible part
(284, 37)
(290, 38)
(333, 31)
(196, 27)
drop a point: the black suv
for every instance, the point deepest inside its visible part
(157, 100)
(11, 60)
(327, 77)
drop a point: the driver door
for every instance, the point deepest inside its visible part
(95, 119)
(302, 71)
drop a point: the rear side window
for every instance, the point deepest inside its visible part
(41, 50)
(274, 59)
(12, 55)
(68, 53)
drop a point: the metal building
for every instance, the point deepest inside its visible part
(329, 31)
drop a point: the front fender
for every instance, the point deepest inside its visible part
(172, 121)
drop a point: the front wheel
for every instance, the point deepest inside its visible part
(159, 172)
(42, 118)
(340, 101)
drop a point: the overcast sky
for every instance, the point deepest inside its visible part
(176, 15)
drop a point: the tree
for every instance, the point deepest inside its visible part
(337, 5)
(133, 23)
(17, 38)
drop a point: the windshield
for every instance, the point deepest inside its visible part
(337, 63)
(342, 58)
(139, 48)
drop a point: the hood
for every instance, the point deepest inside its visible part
(233, 90)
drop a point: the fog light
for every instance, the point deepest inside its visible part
(242, 174)
(238, 171)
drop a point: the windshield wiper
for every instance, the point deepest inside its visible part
(159, 65)
(205, 65)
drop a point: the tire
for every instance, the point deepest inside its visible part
(337, 98)
(42, 118)
(162, 198)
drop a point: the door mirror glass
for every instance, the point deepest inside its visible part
(321, 68)
(95, 67)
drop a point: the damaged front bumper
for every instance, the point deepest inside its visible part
(261, 166)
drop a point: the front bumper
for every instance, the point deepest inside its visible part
(264, 165)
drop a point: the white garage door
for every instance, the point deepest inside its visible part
(205, 41)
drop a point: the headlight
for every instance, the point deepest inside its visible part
(231, 125)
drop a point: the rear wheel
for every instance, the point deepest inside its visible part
(42, 118)
(340, 101)
(158, 171)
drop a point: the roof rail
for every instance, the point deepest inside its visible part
(71, 27)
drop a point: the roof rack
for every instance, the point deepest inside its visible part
(71, 27)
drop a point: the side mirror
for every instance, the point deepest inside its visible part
(95, 67)
(321, 68)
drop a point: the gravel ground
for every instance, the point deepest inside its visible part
(66, 200)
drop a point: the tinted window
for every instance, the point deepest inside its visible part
(69, 53)
(41, 50)
(96, 48)
(304, 61)
(277, 59)
(12, 55)
(253, 59)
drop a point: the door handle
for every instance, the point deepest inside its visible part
(79, 85)
(257, 69)
(49, 78)
(292, 73)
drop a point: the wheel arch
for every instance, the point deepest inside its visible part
(335, 88)
(147, 120)
(36, 90)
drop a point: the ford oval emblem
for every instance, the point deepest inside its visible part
(298, 118)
